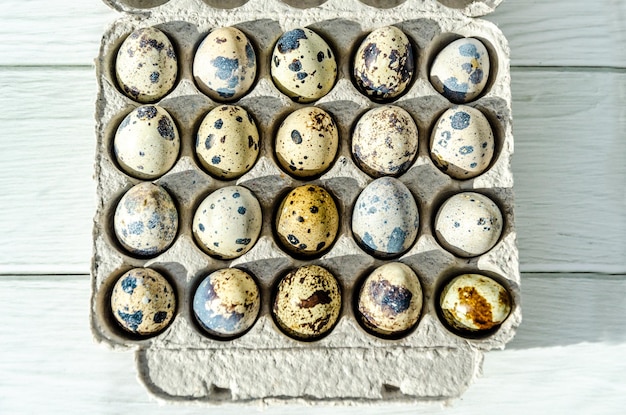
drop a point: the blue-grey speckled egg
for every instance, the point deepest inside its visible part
(384, 63)
(468, 224)
(462, 143)
(390, 300)
(146, 143)
(384, 141)
(146, 220)
(303, 66)
(385, 218)
(146, 66)
(227, 143)
(227, 302)
(143, 302)
(224, 66)
(228, 222)
(461, 70)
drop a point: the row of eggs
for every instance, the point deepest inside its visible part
(307, 302)
(228, 222)
(384, 142)
(303, 66)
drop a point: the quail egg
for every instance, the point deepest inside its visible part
(306, 142)
(224, 66)
(227, 302)
(143, 302)
(303, 66)
(146, 65)
(384, 142)
(227, 143)
(146, 220)
(307, 303)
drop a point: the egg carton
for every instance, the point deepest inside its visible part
(349, 365)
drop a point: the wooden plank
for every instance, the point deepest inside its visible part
(568, 168)
(49, 364)
(541, 33)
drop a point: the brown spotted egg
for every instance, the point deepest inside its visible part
(460, 70)
(228, 222)
(224, 66)
(307, 303)
(146, 220)
(384, 141)
(227, 142)
(307, 221)
(303, 66)
(146, 143)
(227, 302)
(306, 142)
(143, 302)
(474, 303)
(468, 224)
(462, 143)
(384, 63)
(146, 65)
(390, 300)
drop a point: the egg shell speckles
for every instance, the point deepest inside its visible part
(143, 302)
(460, 70)
(390, 300)
(146, 66)
(146, 143)
(227, 302)
(146, 220)
(474, 303)
(307, 303)
(468, 224)
(307, 142)
(228, 222)
(227, 143)
(303, 65)
(384, 64)
(462, 143)
(307, 221)
(225, 66)
(385, 219)
(385, 141)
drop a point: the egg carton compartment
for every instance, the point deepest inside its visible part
(183, 362)
(470, 8)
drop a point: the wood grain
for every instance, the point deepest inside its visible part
(49, 364)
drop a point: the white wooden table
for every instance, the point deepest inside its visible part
(569, 103)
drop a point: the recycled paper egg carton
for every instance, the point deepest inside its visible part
(349, 365)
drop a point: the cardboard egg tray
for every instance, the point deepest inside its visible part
(349, 365)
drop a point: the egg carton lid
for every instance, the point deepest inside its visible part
(468, 8)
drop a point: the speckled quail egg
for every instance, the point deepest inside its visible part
(474, 303)
(227, 143)
(385, 218)
(303, 66)
(146, 220)
(146, 143)
(460, 70)
(146, 65)
(384, 63)
(468, 224)
(228, 222)
(307, 303)
(384, 141)
(390, 300)
(462, 143)
(306, 142)
(227, 302)
(224, 66)
(143, 302)
(307, 221)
